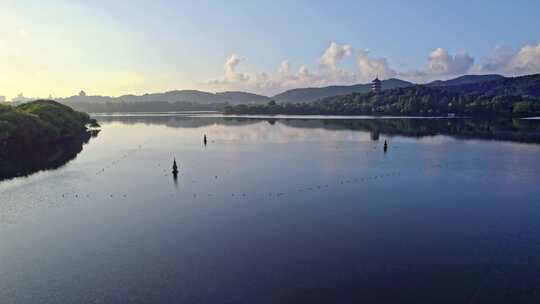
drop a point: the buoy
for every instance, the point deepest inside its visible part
(385, 146)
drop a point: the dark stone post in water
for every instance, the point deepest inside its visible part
(204, 139)
(174, 169)
(385, 146)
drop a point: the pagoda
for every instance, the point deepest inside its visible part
(376, 86)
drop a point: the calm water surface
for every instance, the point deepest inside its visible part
(278, 211)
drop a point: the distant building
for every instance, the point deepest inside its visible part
(376, 86)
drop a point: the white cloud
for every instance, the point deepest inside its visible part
(333, 54)
(230, 69)
(442, 65)
(231, 77)
(527, 60)
(370, 68)
(497, 62)
(284, 68)
(505, 61)
(328, 73)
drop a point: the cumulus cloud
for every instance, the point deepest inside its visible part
(328, 72)
(231, 76)
(498, 61)
(370, 68)
(284, 68)
(230, 69)
(527, 60)
(442, 65)
(333, 54)
(505, 61)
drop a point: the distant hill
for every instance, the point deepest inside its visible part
(506, 97)
(235, 97)
(192, 96)
(313, 94)
(491, 84)
(189, 100)
(526, 86)
(465, 79)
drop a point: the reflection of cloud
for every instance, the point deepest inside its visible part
(409, 127)
(281, 133)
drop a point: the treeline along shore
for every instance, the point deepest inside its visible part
(517, 97)
(38, 123)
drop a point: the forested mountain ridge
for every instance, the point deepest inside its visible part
(465, 79)
(527, 86)
(313, 94)
(417, 100)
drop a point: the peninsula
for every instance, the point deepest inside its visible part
(38, 123)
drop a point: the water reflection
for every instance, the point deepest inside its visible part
(515, 130)
(321, 206)
(38, 158)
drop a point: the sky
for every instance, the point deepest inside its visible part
(59, 47)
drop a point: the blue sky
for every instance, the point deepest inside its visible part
(59, 47)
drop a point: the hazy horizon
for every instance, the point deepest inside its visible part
(112, 49)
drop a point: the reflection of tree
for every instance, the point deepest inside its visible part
(497, 129)
(503, 129)
(374, 135)
(24, 162)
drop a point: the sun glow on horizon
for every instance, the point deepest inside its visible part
(114, 48)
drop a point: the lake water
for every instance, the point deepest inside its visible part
(277, 211)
